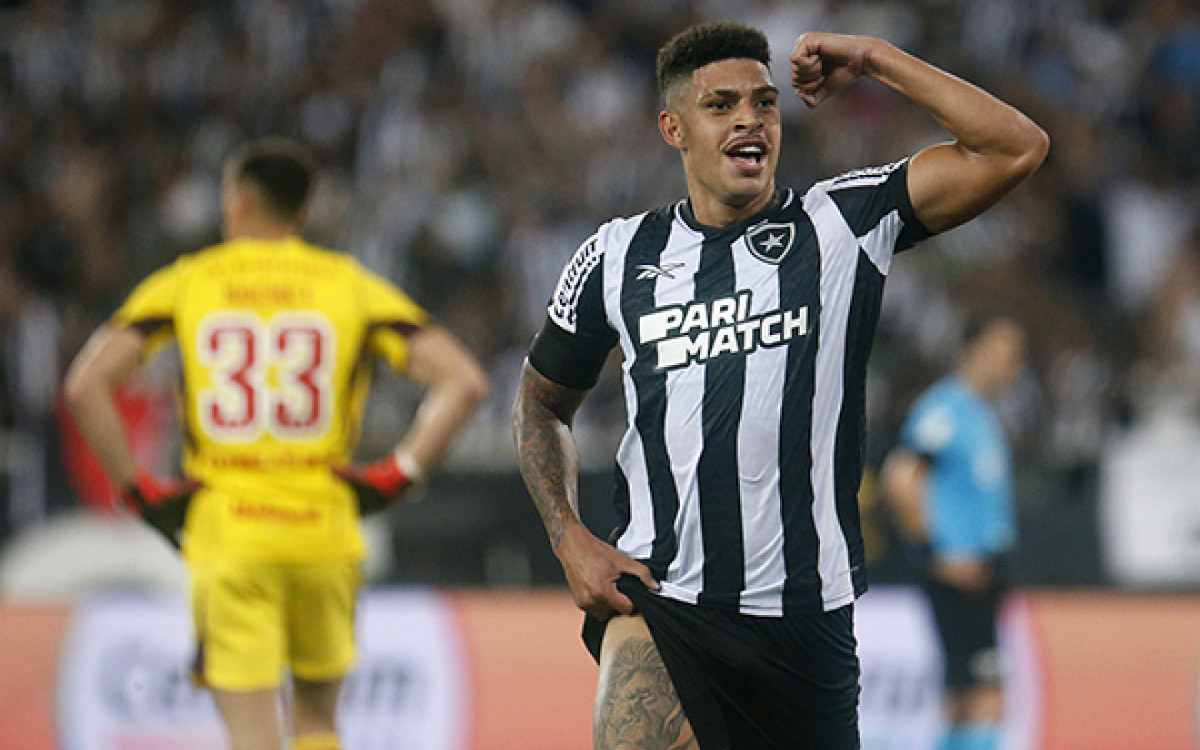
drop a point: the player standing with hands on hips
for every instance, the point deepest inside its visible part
(722, 613)
(276, 339)
(950, 483)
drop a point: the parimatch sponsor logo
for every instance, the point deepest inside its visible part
(700, 331)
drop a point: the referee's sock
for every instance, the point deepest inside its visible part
(953, 738)
(324, 741)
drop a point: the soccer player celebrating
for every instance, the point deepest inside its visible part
(276, 339)
(721, 614)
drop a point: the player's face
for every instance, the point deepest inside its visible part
(726, 125)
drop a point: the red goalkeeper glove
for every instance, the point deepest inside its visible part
(162, 503)
(381, 483)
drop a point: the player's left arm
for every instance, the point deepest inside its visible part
(456, 385)
(995, 145)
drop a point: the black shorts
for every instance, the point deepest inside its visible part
(966, 627)
(754, 683)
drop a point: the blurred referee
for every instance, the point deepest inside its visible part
(950, 482)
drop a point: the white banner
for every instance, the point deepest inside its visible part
(124, 681)
(900, 707)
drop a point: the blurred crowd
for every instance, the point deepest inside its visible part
(471, 145)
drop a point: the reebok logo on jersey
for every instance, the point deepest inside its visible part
(700, 331)
(653, 272)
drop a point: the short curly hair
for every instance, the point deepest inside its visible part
(703, 44)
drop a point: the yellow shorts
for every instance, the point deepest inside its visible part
(255, 619)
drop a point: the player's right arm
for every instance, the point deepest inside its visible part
(549, 461)
(110, 356)
(903, 478)
(563, 365)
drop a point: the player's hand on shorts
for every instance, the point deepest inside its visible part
(592, 568)
(381, 483)
(162, 503)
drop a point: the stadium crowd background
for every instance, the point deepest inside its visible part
(471, 145)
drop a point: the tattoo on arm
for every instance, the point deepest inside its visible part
(546, 450)
(638, 708)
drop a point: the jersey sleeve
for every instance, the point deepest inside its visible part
(576, 338)
(876, 204)
(930, 428)
(150, 307)
(392, 317)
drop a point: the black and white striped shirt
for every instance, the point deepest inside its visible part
(745, 354)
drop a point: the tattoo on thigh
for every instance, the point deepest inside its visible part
(638, 708)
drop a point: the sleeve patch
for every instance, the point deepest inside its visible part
(564, 305)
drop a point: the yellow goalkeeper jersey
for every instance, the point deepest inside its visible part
(276, 339)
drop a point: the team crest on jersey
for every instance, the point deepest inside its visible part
(770, 243)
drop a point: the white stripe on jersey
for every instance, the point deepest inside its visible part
(838, 271)
(684, 432)
(878, 242)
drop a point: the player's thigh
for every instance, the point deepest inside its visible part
(322, 606)
(636, 704)
(237, 612)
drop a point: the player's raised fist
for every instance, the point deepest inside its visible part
(824, 64)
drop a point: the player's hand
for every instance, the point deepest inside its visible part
(592, 568)
(963, 574)
(162, 503)
(381, 483)
(824, 64)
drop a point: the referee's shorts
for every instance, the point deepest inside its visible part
(754, 683)
(966, 626)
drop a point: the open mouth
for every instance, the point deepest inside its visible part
(748, 155)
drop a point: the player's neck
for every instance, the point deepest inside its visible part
(977, 376)
(714, 211)
(260, 230)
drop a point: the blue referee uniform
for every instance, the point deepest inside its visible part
(969, 508)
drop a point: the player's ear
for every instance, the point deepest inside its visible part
(671, 129)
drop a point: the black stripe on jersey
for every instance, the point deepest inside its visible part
(799, 286)
(850, 448)
(717, 468)
(637, 299)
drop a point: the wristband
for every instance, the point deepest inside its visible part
(409, 465)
